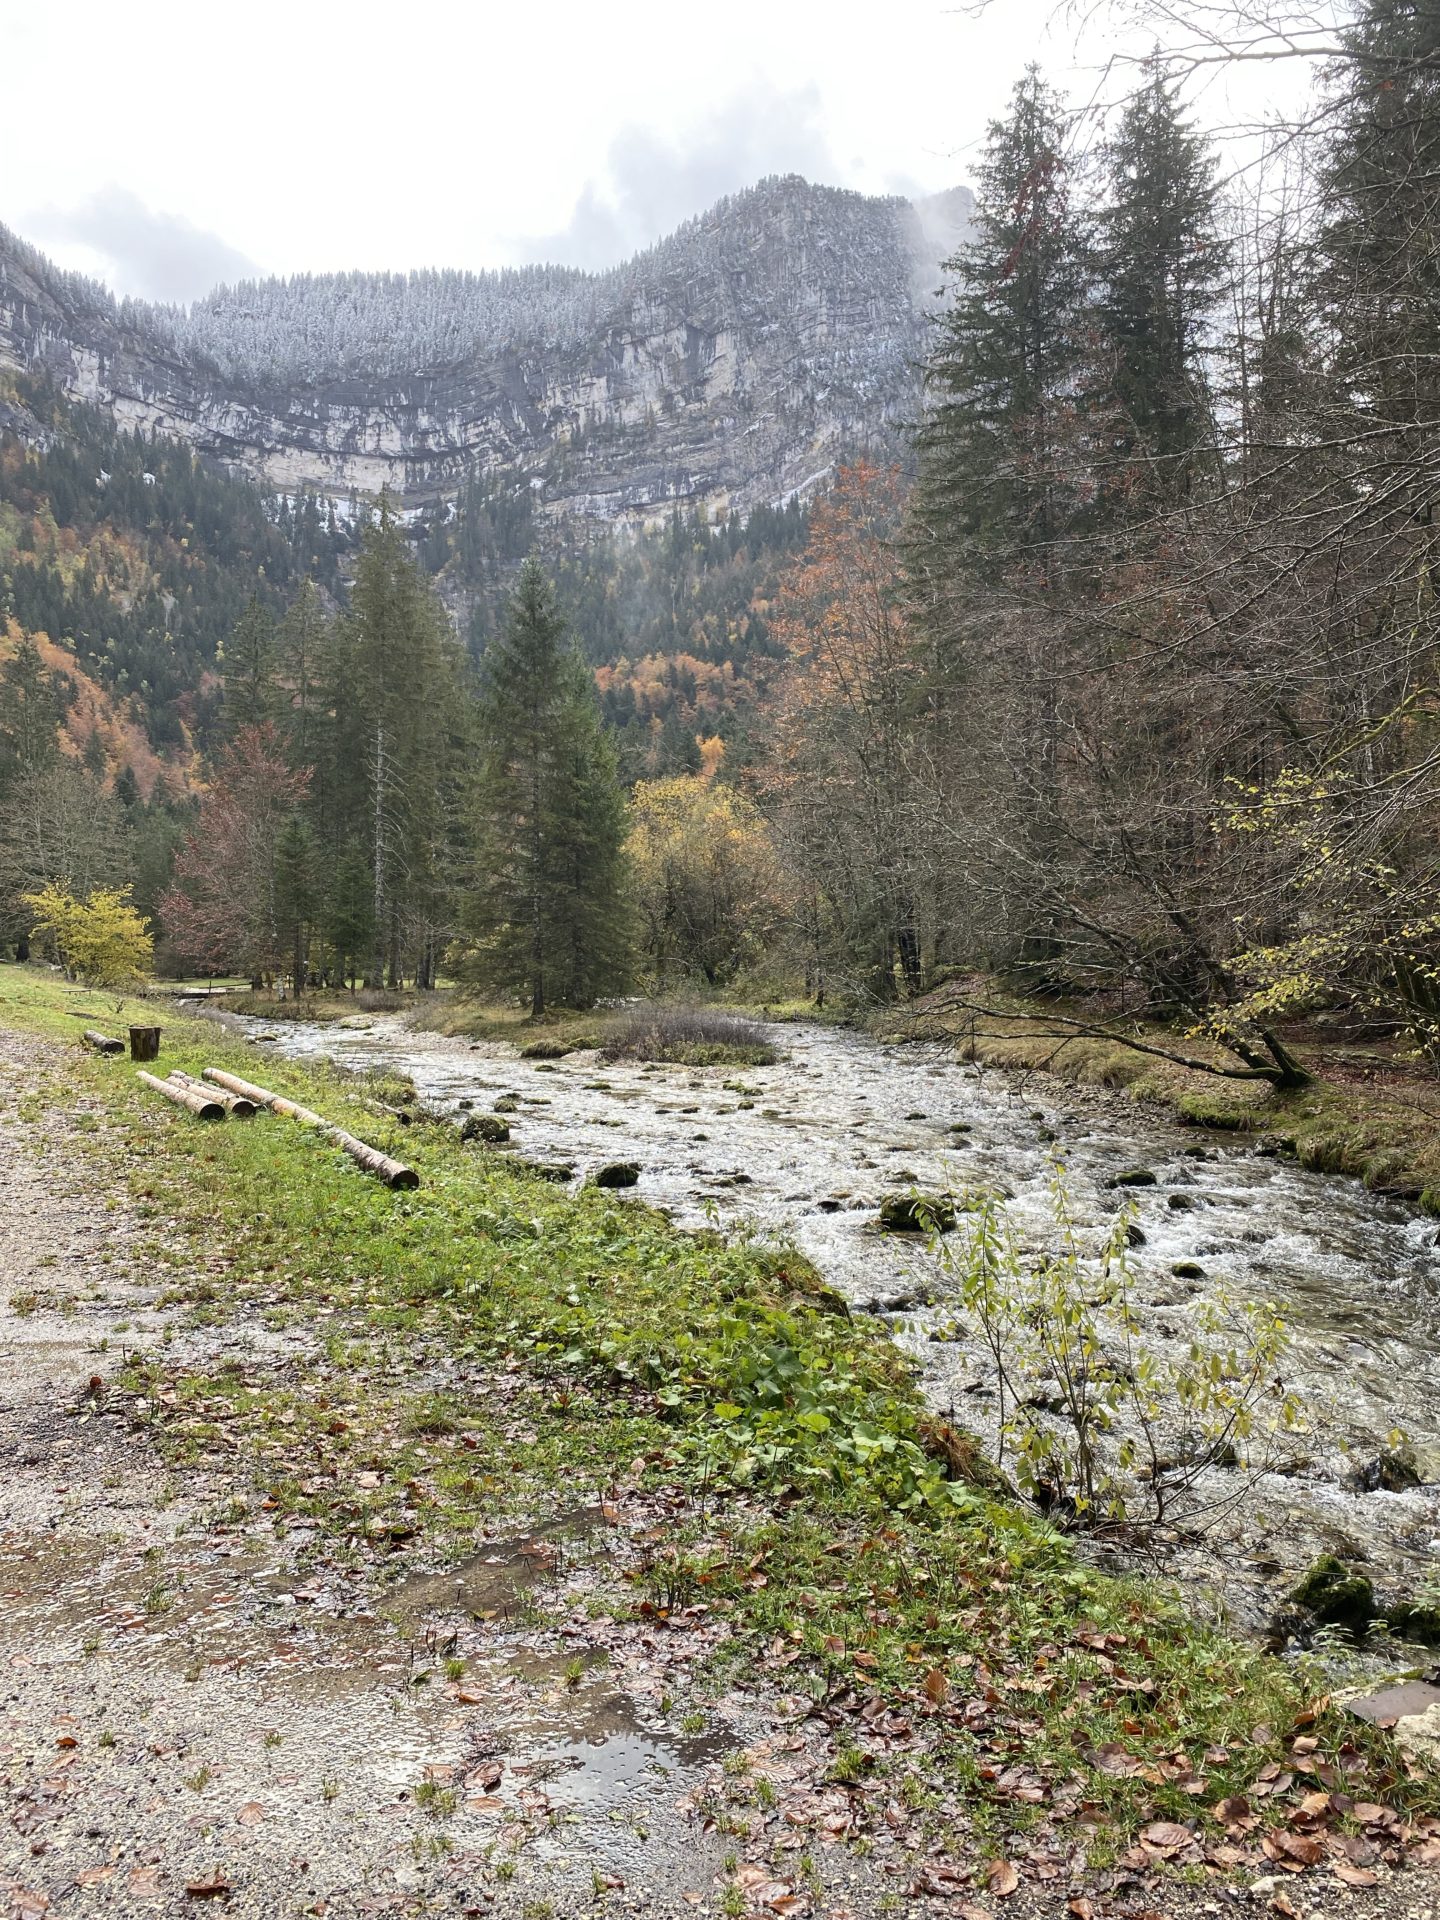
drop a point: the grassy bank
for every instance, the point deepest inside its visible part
(1370, 1112)
(677, 1033)
(490, 1348)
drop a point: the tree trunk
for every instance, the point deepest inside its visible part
(204, 1106)
(393, 1172)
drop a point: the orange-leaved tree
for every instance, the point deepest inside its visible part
(846, 772)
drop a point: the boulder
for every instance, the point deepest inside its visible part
(617, 1173)
(917, 1213)
(545, 1050)
(485, 1126)
(1336, 1596)
(1393, 1470)
(507, 1103)
(559, 1171)
(1132, 1177)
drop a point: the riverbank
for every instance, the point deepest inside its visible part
(494, 1353)
(1371, 1112)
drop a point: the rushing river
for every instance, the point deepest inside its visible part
(806, 1147)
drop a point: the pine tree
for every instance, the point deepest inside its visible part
(295, 886)
(394, 740)
(29, 713)
(300, 649)
(251, 689)
(1160, 263)
(997, 469)
(548, 910)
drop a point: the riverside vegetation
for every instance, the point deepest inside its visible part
(854, 1549)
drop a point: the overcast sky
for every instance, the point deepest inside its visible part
(164, 147)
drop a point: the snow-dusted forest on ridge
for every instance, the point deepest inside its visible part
(309, 327)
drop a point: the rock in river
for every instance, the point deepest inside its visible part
(917, 1213)
(618, 1173)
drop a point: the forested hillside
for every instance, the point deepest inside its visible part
(673, 620)
(140, 558)
(1130, 696)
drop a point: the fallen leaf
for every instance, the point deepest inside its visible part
(1167, 1836)
(936, 1686)
(1081, 1907)
(1001, 1878)
(217, 1884)
(251, 1814)
(1354, 1876)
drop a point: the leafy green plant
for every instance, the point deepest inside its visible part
(1096, 1426)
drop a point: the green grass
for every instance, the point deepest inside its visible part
(598, 1344)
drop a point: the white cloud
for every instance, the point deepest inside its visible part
(137, 250)
(651, 183)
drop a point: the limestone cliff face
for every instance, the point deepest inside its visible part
(732, 364)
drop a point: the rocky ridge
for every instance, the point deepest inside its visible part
(729, 365)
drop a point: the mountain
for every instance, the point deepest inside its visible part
(727, 367)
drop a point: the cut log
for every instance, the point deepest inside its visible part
(144, 1043)
(102, 1042)
(235, 1104)
(204, 1105)
(393, 1172)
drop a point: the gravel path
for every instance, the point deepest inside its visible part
(196, 1714)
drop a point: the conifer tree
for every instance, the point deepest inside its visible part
(997, 471)
(251, 692)
(295, 888)
(300, 650)
(394, 738)
(547, 913)
(1160, 264)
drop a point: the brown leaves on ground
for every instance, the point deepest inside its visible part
(767, 1895)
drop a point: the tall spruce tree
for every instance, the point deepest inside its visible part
(391, 750)
(998, 469)
(252, 694)
(1160, 266)
(1004, 483)
(548, 912)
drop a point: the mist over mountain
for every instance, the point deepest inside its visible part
(725, 367)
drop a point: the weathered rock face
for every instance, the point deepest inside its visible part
(732, 364)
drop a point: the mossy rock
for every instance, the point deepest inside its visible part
(1188, 1270)
(1393, 1470)
(507, 1103)
(557, 1171)
(545, 1050)
(1133, 1177)
(1418, 1623)
(486, 1127)
(618, 1173)
(1336, 1596)
(917, 1213)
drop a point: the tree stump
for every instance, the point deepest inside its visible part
(144, 1043)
